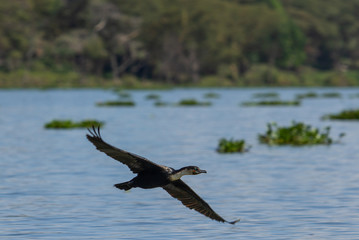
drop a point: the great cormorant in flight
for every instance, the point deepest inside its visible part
(151, 175)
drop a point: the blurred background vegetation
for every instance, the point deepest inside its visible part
(136, 43)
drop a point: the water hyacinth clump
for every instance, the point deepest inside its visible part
(161, 104)
(122, 94)
(266, 95)
(316, 95)
(307, 95)
(271, 103)
(192, 102)
(232, 146)
(344, 115)
(211, 95)
(153, 96)
(297, 134)
(331, 95)
(116, 104)
(67, 124)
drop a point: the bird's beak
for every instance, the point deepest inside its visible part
(202, 171)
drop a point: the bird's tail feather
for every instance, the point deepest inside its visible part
(124, 186)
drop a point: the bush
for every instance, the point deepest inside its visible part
(231, 146)
(298, 134)
(66, 124)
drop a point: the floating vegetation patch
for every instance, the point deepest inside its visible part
(316, 95)
(232, 146)
(297, 134)
(211, 95)
(161, 104)
(344, 115)
(153, 96)
(122, 94)
(331, 95)
(192, 102)
(307, 95)
(116, 104)
(266, 95)
(67, 124)
(271, 103)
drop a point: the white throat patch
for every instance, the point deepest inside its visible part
(178, 175)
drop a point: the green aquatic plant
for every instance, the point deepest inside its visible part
(232, 146)
(153, 96)
(297, 134)
(344, 115)
(211, 95)
(161, 104)
(307, 95)
(122, 93)
(271, 103)
(116, 104)
(192, 102)
(67, 124)
(331, 95)
(266, 95)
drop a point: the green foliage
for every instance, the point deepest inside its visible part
(211, 95)
(153, 96)
(271, 103)
(227, 43)
(67, 124)
(266, 95)
(344, 115)
(297, 134)
(307, 95)
(161, 104)
(116, 104)
(122, 94)
(231, 146)
(192, 102)
(331, 95)
(316, 95)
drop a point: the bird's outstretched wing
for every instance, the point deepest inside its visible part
(178, 189)
(134, 162)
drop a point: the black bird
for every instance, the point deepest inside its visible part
(151, 175)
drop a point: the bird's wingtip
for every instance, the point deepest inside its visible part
(234, 222)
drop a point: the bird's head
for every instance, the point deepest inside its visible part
(189, 170)
(195, 170)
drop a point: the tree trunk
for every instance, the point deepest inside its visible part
(114, 66)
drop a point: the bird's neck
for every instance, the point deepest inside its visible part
(179, 173)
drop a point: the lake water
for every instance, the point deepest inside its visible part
(54, 184)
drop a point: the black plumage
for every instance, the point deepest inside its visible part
(151, 175)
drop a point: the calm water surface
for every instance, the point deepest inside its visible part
(55, 185)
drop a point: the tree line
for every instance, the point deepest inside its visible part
(178, 41)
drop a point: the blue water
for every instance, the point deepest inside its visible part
(55, 185)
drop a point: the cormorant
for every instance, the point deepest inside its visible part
(151, 175)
